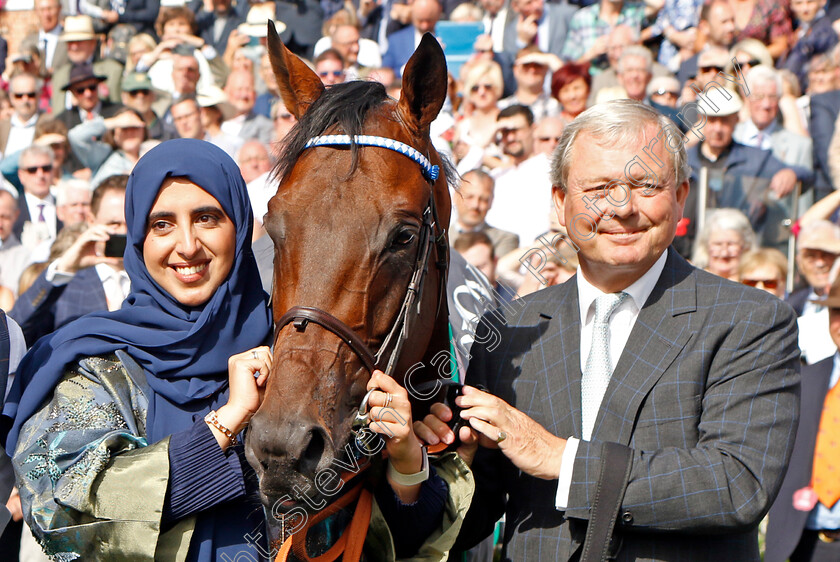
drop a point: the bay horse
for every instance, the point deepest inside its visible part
(359, 215)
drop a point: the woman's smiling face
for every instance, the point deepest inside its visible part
(190, 242)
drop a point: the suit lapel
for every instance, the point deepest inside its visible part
(658, 336)
(561, 360)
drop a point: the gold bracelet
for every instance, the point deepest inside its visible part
(213, 420)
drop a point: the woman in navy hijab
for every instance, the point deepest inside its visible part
(124, 423)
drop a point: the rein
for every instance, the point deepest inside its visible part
(349, 545)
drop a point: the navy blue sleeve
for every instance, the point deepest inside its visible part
(201, 475)
(411, 524)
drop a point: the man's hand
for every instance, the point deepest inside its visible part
(783, 182)
(526, 443)
(110, 16)
(83, 253)
(526, 29)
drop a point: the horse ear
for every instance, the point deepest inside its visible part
(424, 85)
(299, 86)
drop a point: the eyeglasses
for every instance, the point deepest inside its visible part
(478, 87)
(533, 66)
(751, 62)
(21, 95)
(79, 90)
(333, 73)
(711, 68)
(47, 168)
(766, 283)
(138, 92)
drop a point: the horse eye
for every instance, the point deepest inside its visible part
(403, 239)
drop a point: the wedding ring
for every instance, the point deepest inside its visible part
(388, 398)
(502, 436)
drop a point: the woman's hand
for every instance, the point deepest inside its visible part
(247, 375)
(391, 418)
(435, 429)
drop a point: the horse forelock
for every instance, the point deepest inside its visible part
(344, 107)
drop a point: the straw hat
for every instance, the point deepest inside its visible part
(213, 96)
(258, 16)
(77, 28)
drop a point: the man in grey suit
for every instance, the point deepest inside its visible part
(689, 381)
(538, 24)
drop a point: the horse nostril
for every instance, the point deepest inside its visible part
(313, 452)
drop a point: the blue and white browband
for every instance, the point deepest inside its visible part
(430, 171)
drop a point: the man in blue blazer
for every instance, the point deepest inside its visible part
(401, 44)
(800, 527)
(644, 402)
(82, 280)
(548, 30)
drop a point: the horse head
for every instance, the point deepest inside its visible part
(350, 224)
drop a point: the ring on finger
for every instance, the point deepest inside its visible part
(255, 354)
(502, 436)
(388, 398)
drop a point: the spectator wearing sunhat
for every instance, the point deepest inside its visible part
(529, 70)
(139, 94)
(664, 90)
(83, 85)
(81, 43)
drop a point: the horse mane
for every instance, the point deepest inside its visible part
(341, 109)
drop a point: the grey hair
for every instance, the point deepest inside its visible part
(722, 219)
(65, 186)
(617, 122)
(635, 51)
(762, 74)
(37, 150)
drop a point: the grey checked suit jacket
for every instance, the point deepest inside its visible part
(705, 395)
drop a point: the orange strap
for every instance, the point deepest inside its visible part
(351, 542)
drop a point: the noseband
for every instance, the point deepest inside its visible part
(431, 233)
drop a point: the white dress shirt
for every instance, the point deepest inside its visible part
(48, 41)
(116, 284)
(21, 134)
(621, 324)
(48, 202)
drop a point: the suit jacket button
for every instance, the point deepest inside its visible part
(627, 517)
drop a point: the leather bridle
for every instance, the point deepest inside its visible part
(431, 234)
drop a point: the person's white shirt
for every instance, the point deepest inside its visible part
(260, 191)
(621, 324)
(116, 284)
(34, 203)
(48, 41)
(21, 133)
(522, 198)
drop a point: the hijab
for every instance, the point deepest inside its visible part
(183, 350)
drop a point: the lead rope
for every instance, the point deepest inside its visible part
(349, 546)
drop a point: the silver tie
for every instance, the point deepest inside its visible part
(596, 375)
